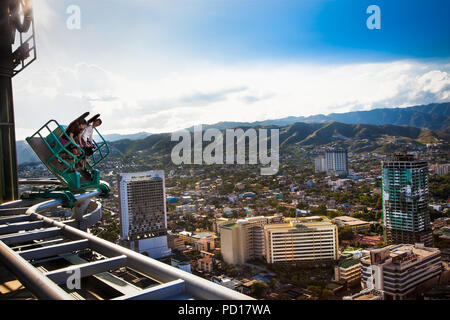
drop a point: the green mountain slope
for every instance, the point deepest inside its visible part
(435, 116)
(357, 137)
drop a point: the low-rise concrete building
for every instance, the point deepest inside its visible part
(401, 269)
(354, 223)
(205, 264)
(203, 241)
(348, 270)
(182, 265)
(175, 241)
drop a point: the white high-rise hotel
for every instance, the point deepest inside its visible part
(143, 219)
(333, 161)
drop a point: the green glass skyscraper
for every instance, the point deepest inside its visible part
(405, 201)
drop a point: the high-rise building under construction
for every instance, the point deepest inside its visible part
(405, 201)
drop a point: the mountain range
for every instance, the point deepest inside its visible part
(359, 130)
(435, 116)
(356, 137)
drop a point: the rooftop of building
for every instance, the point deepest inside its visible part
(308, 219)
(366, 295)
(421, 253)
(142, 178)
(206, 259)
(404, 253)
(252, 219)
(350, 221)
(229, 225)
(234, 223)
(203, 235)
(315, 222)
(336, 150)
(403, 158)
(349, 263)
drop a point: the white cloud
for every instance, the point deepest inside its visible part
(212, 93)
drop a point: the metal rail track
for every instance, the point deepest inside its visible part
(27, 238)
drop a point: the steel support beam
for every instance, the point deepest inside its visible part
(53, 250)
(39, 181)
(20, 226)
(37, 243)
(30, 277)
(30, 235)
(17, 207)
(160, 292)
(14, 219)
(5, 212)
(87, 269)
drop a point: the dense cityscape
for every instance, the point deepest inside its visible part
(309, 232)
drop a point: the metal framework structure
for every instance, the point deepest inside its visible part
(16, 18)
(44, 253)
(21, 56)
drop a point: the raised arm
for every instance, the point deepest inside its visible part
(79, 139)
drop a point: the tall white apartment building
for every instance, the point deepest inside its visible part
(336, 161)
(302, 239)
(441, 169)
(143, 219)
(320, 164)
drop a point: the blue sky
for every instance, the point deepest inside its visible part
(261, 29)
(323, 29)
(163, 65)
